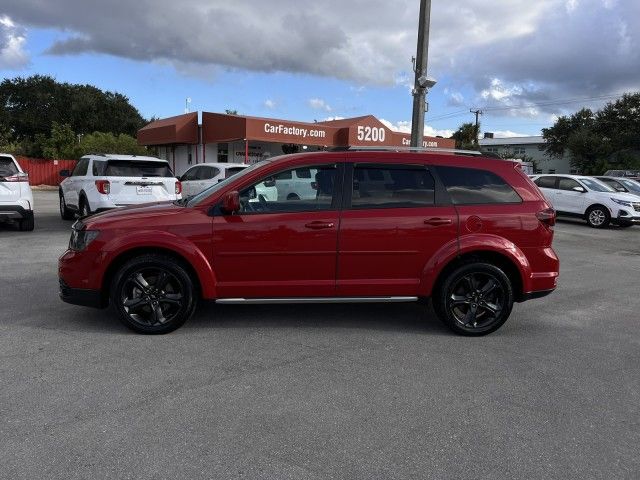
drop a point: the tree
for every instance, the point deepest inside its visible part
(62, 142)
(231, 112)
(30, 106)
(466, 137)
(598, 140)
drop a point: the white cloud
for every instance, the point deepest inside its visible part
(319, 104)
(12, 45)
(404, 126)
(270, 104)
(507, 134)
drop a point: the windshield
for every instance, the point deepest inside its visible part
(202, 196)
(131, 168)
(596, 185)
(630, 185)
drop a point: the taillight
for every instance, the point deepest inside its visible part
(18, 177)
(103, 186)
(547, 216)
(178, 188)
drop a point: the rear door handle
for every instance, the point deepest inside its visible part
(319, 225)
(438, 221)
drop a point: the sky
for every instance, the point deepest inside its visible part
(522, 62)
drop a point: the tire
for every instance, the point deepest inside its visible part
(65, 213)
(598, 217)
(27, 224)
(153, 294)
(474, 299)
(84, 210)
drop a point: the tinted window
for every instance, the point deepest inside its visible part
(472, 186)
(7, 167)
(567, 183)
(81, 168)
(284, 175)
(392, 187)
(265, 197)
(98, 168)
(137, 168)
(207, 173)
(190, 174)
(303, 173)
(546, 182)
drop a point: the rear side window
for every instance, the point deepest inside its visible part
(391, 187)
(7, 167)
(470, 186)
(546, 182)
(132, 168)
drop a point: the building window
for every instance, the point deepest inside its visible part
(223, 152)
(552, 170)
(492, 149)
(189, 155)
(519, 151)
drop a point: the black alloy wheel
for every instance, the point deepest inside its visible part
(475, 299)
(153, 294)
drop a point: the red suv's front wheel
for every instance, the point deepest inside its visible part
(153, 294)
(474, 299)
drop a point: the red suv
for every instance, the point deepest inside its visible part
(473, 234)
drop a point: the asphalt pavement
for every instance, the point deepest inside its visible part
(322, 391)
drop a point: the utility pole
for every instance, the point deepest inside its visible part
(477, 114)
(422, 82)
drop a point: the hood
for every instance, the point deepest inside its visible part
(627, 197)
(147, 212)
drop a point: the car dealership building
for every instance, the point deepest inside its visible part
(183, 141)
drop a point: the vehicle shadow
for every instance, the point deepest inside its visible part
(399, 317)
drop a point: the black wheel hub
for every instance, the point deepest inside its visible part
(476, 300)
(152, 296)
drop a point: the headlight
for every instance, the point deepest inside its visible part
(624, 203)
(81, 237)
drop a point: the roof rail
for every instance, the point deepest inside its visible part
(407, 149)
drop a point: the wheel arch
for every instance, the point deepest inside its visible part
(483, 248)
(194, 262)
(586, 211)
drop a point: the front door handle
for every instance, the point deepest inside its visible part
(438, 221)
(318, 225)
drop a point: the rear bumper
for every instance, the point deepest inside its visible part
(80, 296)
(533, 295)
(14, 212)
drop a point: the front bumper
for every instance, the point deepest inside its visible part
(81, 296)
(14, 212)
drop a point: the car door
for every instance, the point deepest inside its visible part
(276, 247)
(569, 200)
(394, 220)
(548, 187)
(206, 178)
(72, 186)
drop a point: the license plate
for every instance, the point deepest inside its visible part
(141, 190)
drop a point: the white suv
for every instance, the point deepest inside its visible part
(102, 182)
(589, 198)
(204, 175)
(16, 199)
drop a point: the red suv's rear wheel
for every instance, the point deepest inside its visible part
(153, 294)
(474, 299)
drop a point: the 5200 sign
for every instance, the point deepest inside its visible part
(371, 134)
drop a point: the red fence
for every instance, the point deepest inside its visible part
(44, 172)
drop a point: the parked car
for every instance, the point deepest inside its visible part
(473, 236)
(591, 199)
(16, 199)
(205, 175)
(635, 174)
(622, 184)
(103, 182)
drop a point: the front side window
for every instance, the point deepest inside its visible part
(471, 186)
(190, 174)
(391, 186)
(266, 196)
(207, 173)
(567, 184)
(631, 185)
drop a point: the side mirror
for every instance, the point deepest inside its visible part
(65, 173)
(579, 189)
(231, 202)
